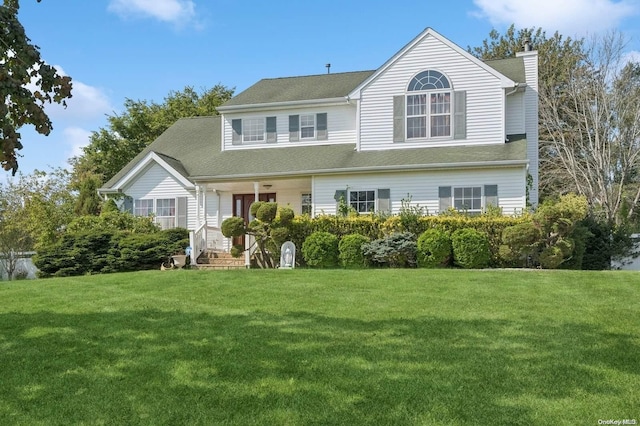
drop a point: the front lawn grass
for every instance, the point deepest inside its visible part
(322, 347)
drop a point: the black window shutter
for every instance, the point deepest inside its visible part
(321, 120)
(236, 126)
(490, 195)
(398, 118)
(460, 115)
(294, 128)
(128, 204)
(444, 193)
(384, 200)
(340, 196)
(272, 132)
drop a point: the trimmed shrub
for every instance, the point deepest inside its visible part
(232, 227)
(267, 212)
(350, 251)
(470, 248)
(237, 250)
(320, 250)
(434, 248)
(285, 216)
(253, 209)
(521, 243)
(397, 250)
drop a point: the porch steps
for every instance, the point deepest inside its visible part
(214, 259)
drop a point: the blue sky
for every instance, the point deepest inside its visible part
(144, 49)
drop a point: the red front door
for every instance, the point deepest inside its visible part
(241, 208)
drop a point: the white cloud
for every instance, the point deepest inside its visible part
(173, 11)
(569, 17)
(632, 56)
(75, 138)
(86, 103)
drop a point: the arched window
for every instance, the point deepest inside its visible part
(428, 106)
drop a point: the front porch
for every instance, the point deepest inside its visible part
(218, 201)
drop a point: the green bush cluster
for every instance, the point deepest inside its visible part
(397, 250)
(320, 250)
(350, 251)
(552, 237)
(90, 252)
(470, 248)
(434, 249)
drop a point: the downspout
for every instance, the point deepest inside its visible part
(515, 89)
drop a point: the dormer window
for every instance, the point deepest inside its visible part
(428, 106)
(307, 126)
(253, 130)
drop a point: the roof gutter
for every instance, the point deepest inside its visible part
(404, 168)
(283, 105)
(519, 87)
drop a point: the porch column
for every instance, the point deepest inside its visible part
(198, 222)
(256, 191)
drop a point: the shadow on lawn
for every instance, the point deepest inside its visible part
(158, 367)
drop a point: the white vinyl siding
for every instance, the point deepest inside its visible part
(155, 183)
(422, 187)
(341, 127)
(484, 97)
(515, 114)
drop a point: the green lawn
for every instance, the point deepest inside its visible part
(375, 347)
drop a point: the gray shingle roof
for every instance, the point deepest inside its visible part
(510, 67)
(192, 146)
(322, 86)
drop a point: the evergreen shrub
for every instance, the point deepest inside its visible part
(320, 250)
(470, 248)
(397, 250)
(434, 248)
(350, 251)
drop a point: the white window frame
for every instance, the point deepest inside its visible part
(428, 111)
(254, 130)
(147, 210)
(164, 221)
(356, 204)
(459, 202)
(306, 203)
(310, 124)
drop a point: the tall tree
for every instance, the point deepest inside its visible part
(14, 237)
(558, 57)
(40, 204)
(593, 125)
(27, 83)
(127, 134)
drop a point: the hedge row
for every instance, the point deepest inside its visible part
(374, 228)
(91, 251)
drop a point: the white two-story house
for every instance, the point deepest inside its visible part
(433, 124)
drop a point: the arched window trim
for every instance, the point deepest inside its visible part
(429, 80)
(429, 105)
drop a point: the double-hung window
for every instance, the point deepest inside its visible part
(306, 204)
(307, 126)
(166, 212)
(468, 198)
(428, 106)
(471, 199)
(362, 201)
(143, 208)
(253, 130)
